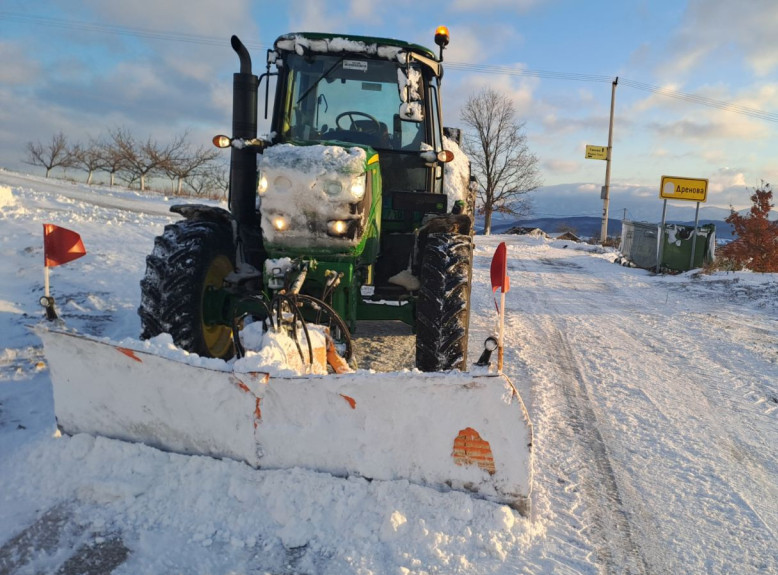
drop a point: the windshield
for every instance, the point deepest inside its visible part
(336, 97)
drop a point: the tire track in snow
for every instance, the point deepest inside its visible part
(614, 538)
(603, 515)
(676, 432)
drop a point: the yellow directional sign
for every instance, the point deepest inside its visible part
(596, 152)
(674, 188)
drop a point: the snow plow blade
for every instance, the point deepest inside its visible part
(448, 431)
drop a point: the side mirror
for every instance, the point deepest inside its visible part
(411, 112)
(409, 83)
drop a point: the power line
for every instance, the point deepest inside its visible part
(74, 25)
(667, 92)
(696, 99)
(512, 71)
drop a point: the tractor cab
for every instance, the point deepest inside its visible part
(365, 91)
(378, 95)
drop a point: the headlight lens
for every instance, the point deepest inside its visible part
(280, 223)
(358, 188)
(337, 227)
(282, 183)
(333, 187)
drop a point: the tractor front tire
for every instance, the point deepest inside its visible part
(188, 258)
(443, 305)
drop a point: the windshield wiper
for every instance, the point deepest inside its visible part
(319, 79)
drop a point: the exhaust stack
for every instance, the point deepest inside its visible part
(243, 162)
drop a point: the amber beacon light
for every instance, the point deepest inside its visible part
(441, 38)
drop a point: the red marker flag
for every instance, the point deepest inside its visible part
(500, 270)
(60, 245)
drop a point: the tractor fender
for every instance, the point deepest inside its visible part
(444, 224)
(440, 224)
(203, 212)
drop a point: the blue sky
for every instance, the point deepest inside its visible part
(159, 67)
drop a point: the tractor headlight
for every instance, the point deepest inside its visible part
(261, 184)
(282, 183)
(280, 223)
(358, 188)
(337, 227)
(333, 188)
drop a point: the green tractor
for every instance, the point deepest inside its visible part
(350, 209)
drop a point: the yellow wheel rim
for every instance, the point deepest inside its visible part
(217, 338)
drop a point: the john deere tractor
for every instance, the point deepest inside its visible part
(346, 210)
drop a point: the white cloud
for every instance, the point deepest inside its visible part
(466, 45)
(710, 26)
(18, 68)
(362, 11)
(558, 166)
(202, 17)
(726, 178)
(313, 16)
(726, 116)
(703, 131)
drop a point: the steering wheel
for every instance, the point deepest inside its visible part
(351, 114)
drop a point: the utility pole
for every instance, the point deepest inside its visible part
(606, 187)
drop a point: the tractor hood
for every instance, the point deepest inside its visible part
(314, 197)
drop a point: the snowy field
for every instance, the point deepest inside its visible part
(654, 402)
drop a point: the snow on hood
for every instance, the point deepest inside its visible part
(309, 186)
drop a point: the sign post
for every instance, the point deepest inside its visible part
(604, 153)
(686, 189)
(60, 246)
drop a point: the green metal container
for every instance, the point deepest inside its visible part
(677, 249)
(639, 245)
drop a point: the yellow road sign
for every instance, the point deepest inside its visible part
(596, 152)
(690, 189)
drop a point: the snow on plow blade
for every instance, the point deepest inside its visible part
(452, 430)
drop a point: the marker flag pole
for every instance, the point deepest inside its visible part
(499, 274)
(60, 246)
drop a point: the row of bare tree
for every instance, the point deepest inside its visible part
(120, 154)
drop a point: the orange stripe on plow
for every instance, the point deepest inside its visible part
(129, 353)
(471, 449)
(257, 413)
(350, 400)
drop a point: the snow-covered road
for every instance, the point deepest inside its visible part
(654, 402)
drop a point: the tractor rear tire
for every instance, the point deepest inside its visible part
(189, 257)
(443, 305)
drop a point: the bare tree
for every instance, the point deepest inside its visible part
(89, 157)
(126, 153)
(212, 181)
(52, 155)
(186, 163)
(141, 160)
(113, 161)
(500, 157)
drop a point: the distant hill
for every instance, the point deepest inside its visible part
(588, 227)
